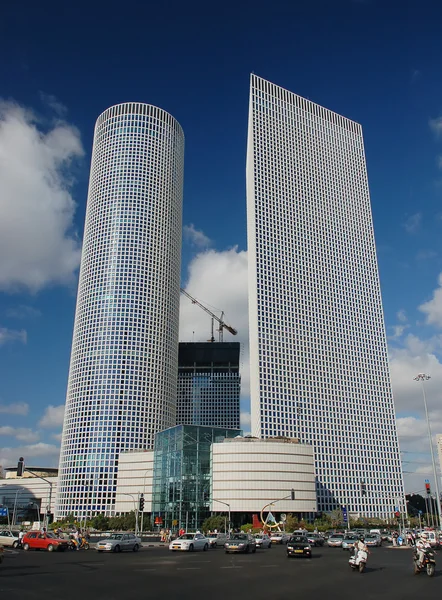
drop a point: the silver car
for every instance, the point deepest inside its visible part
(217, 539)
(117, 542)
(9, 538)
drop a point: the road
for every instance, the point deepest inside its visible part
(156, 573)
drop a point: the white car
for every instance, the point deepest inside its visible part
(9, 538)
(263, 541)
(190, 542)
(279, 537)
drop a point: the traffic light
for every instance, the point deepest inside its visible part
(427, 487)
(141, 506)
(20, 466)
(363, 488)
(292, 494)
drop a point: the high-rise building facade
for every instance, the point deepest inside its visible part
(123, 371)
(209, 384)
(318, 353)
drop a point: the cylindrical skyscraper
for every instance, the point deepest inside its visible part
(123, 371)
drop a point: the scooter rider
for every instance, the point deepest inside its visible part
(422, 544)
(360, 546)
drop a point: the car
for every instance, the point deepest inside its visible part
(349, 541)
(373, 539)
(188, 542)
(9, 538)
(240, 542)
(279, 537)
(298, 545)
(40, 540)
(262, 540)
(315, 539)
(117, 542)
(217, 539)
(335, 540)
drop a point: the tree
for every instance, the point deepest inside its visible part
(336, 517)
(215, 522)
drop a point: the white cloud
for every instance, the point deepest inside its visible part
(196, 237)
(36, 208)
(12, 335)
(436, 126)
(17, 408)
(23, 311)
(23, 434)
(53, 417)
(433, 308)
(218, 279)
(412, 223)
(426, 255)
(246, 421)
(402, 315)
(46, 453)
(54, 104)
(57, 436)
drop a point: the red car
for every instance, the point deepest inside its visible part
(36, 540)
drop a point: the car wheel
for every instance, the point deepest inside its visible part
(191, 548)
(50, 548)
(117, 548)
(215, 545)
(247, 549)
(26, 546)
(270, 545)
(206, 547)
(430, 570)
(227, 552)
(135, 548)
(254, 550)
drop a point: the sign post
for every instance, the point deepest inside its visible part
(345, 516)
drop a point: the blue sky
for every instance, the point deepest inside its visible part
(374, 61)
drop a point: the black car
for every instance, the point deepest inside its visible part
(298, 545)
(315, 539)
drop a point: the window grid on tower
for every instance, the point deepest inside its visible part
(319, 365)
(122, 380)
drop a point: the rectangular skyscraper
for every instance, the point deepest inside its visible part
(209, 384)
(318, 352)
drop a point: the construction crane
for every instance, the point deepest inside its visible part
(222, 324)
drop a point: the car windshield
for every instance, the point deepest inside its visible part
(351, 537)
(299, 539)
(187, 536)
(370, 537)
(115, 536)
(239, 536)
(339, 536)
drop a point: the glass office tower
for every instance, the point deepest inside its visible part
(182, 474)
(122, 379)
(209, 384)
(318, 352)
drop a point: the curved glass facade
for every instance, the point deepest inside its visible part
(123, 371)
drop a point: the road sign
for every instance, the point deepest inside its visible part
(4, 512)
(344, 515)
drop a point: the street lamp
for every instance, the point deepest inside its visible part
(422, 377)
(135, 510)
(225, 504)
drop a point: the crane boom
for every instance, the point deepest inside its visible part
(222, 323)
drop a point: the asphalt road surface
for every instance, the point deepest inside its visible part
(156, 573)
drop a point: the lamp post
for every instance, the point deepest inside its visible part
(423, 377)
(135, 510)
(225, 504)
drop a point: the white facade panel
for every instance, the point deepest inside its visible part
(318, 354)
(21, 492)
(123, 372)
(135, 476)
(248, 474)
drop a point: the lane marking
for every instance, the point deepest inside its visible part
(233, 567)
(188, 568)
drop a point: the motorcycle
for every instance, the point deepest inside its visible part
(358, 561)
(428, 565)
(73, 545)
